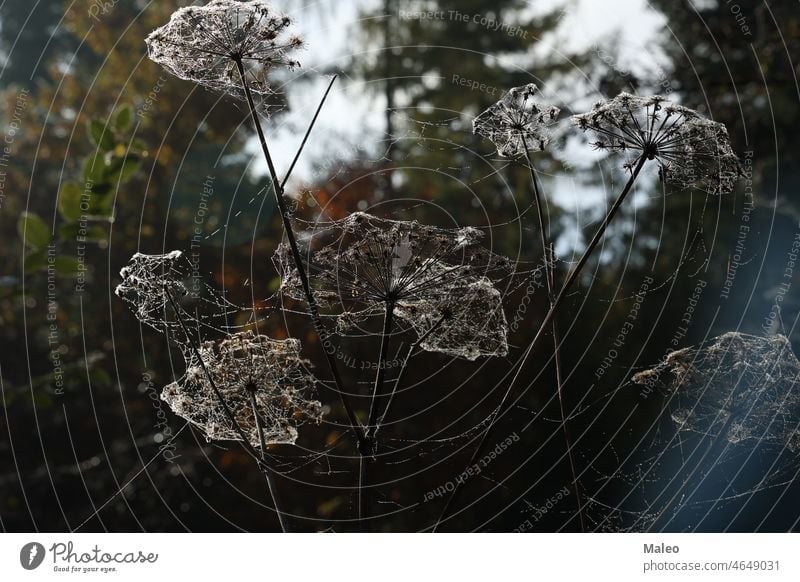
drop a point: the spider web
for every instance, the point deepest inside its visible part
(164, 294)
(729, 430)
(437, 281)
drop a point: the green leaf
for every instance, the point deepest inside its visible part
(96, 233)
(96, 207)
(93, 233)
(94, 168)
(102, 207)
(66, 265)
(68, 231)
(69, 201)
(123, 118)
(138, 146)
(101, 135)
(35, 261)
(121, 169)
(33, 230)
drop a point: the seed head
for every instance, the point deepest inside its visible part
(364, 264)
(691, 151)
(517, 122)
(207, 45)
(246, 364)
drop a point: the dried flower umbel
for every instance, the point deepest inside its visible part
(368, 265)
(207, 45)
(691, 151)
(146, 281)
(739, 388)
(517, 123)
(467, 320)
(247, 368)
(165, 294)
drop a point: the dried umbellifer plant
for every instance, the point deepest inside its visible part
(734, 394)
(689, 150)
(439, 284)
(437, 281)
(226, 46)
(246, 387)
(266, 384)
(518, 124)
(232, 47)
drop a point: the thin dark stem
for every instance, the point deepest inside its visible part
(367, 460)
(226, 409)
(380, 375)
(228, 412)
(364, 461)
(389, 85)
(308, 133)
(313, 309)
(548, 319)
(549, 259)
(401, 374)
(264, 465)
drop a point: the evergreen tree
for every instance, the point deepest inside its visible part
(439, 64)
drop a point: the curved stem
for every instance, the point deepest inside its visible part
(265, 468)
(380, 375)
(217, 394)
(549, 259)
(313, 309)
(366, 461)
(260, 459)
(401, 374)
(548, 319)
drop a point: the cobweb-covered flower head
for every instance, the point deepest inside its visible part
(517, 122)
(364, 260)
(691, 151)
(146, 282)
(465, 321)
(243, 364)
(742, 388)
(167, 293)
(362, 264)
(205, 44)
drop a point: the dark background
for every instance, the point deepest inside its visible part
(86, 454)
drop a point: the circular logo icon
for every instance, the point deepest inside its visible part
(31, 555)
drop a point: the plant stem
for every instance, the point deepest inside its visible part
(308, 133)
(363, 495)
(264, 465)
(381, 372)
(376, 425)
(226, 409)
(401, 374)
(228, 412)
(313, 309)
(366, 461)
(548, 319)
(549, 259)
